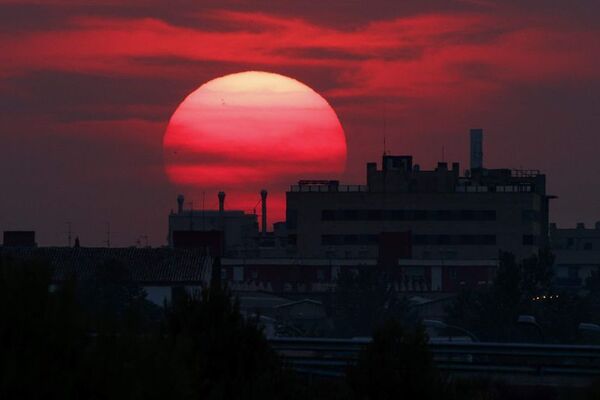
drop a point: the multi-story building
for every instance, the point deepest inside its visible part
(240, 230)
(451, 216)
(577, 252)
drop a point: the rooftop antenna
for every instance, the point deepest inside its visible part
(107, 234)
(203, 224)
(139, 240)
(191, 203)
(69, 233)
(443, 153)
(384, 128)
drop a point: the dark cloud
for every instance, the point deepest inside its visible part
(88, 86)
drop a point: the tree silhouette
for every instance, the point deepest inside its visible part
(519, 288)
(364, 299)
(396, 365)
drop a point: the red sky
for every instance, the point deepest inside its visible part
(87, 89)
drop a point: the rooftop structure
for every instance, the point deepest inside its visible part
(240, 230)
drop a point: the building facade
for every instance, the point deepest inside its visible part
(240, 230)
(450, 216)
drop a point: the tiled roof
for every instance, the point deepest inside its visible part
(144, 265)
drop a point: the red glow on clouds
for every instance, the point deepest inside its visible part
(252, 130)
(87, 88)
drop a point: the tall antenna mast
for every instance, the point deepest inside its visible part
(191, 203)
(384, 128)
(69, 233)
(108, 234)
(203, 222)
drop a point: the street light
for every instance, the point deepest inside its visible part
(437, 324)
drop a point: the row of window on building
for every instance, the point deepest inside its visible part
(422, 240)
(524, 188)
(418, 240)
(408, 215)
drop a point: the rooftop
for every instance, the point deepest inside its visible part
(144, 265)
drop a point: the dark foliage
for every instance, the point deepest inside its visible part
(364, 299)
(523, 288)
(53, 345)
(396, 364)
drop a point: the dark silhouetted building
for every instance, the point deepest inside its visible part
(239, 229)
(577, 252)
(19, 239)
(451, 216)
(159, 271)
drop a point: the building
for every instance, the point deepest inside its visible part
(159, 271)
(577, 252)
(240, 230)
(313, 276)
(19, 239)
(450, 216)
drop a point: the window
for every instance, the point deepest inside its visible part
(452, 271)
(328, 240)
(529, 215)
(292, 240)
(350, 240)
(467, 215)
(488, 215)
(528, 240)
(320, 275)
(443, 215)
(374, 215)
(328, 215)
(573, 272)
(587, 246)
(238, 274)
(350, 215)
(420, 215)
(291, 219)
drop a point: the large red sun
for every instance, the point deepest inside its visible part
(252, 130)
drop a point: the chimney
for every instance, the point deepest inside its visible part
(180, 200)
(263, 197)
(476, 149)
(221, 202)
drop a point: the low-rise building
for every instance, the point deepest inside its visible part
(159, 271)
(577, 253)
(240, 229)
